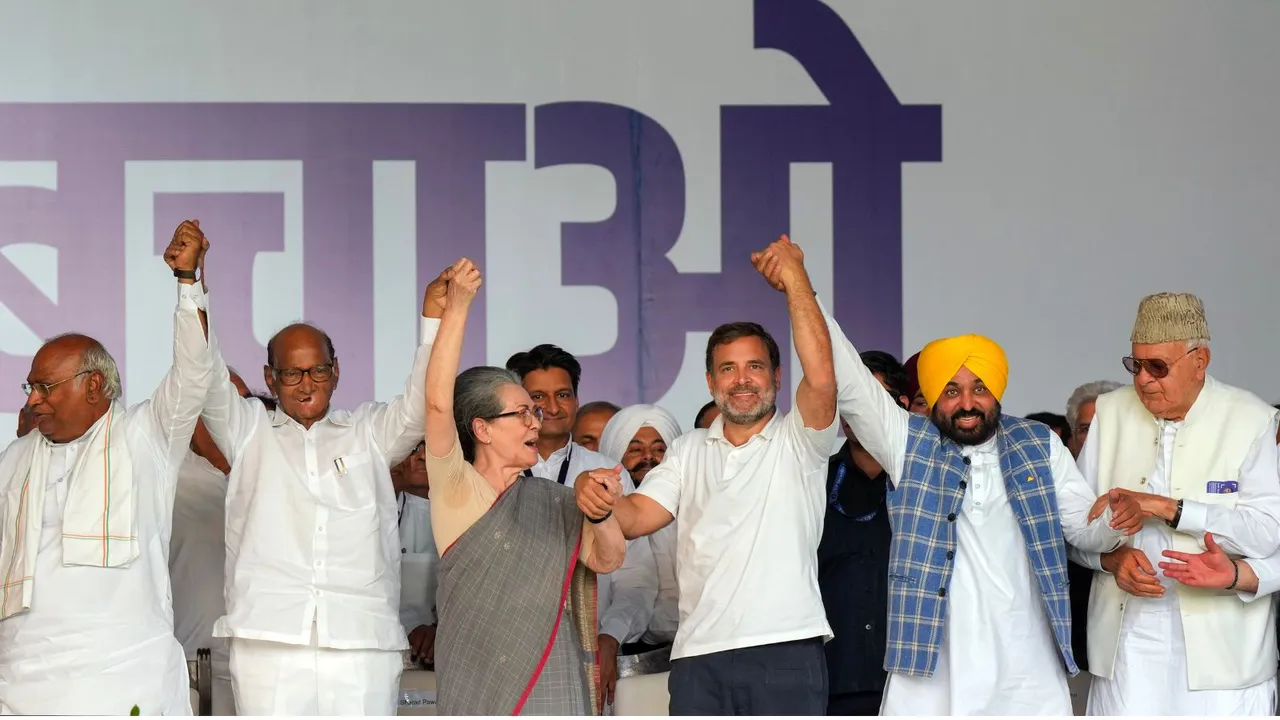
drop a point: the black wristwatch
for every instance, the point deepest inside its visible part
(184, 274)
(595, 521)
(1177, 516)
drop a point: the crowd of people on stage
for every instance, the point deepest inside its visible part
(948, 559)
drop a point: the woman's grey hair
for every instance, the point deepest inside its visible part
(95, 358)
(1087, 393)
(477, 394)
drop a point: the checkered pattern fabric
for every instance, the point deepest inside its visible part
(923, 509)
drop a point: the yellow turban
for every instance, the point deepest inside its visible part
(941, 359)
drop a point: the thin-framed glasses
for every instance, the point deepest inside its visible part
(525, 414)
(1155, 367)
(293, 376)
(43, 389)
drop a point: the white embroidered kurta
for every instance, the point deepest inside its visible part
(197, 555)
(998, 655)
(98, 641)
(1150, 674)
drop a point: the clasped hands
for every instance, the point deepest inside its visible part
(1130, 509)
(597, 490)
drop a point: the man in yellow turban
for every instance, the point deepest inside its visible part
(939, 370)
(982, 506)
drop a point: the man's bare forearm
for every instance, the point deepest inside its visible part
(811, 337)
(638, 516)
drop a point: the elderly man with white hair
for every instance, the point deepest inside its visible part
(86, 510)
(1081, 407)
(639, 597)
(1200, 457)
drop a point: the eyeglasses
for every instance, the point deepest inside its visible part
(42, 389)
(1155, 367)
(525, 414)
(293, 376)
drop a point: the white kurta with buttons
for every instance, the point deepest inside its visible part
(312, 534)
(998, 654)
(1150, 671)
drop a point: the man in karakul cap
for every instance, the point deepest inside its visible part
(1200, 457)
(981, 502)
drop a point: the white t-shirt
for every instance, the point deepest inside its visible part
(750, 519)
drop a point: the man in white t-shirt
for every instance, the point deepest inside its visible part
(750, 495)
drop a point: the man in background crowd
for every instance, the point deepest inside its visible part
(592, 418)
(706, 416)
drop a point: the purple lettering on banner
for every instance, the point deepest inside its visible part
(864, 133)
(626, 252)
(336, 143)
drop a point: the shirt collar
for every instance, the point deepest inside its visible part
(716, 431)
(279, 417)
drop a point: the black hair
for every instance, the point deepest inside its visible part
(545, 357)
(883, 363)
(729, 332)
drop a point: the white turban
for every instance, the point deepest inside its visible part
(623, 427)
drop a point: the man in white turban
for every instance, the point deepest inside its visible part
(640, 600)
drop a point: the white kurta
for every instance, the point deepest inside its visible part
(1150, 674)
(998, 655)
(99, 641)
(197, 554)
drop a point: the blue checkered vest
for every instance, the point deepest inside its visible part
(923, 509)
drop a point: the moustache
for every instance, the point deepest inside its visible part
(642, 466)
(961, 414)
(748, 387)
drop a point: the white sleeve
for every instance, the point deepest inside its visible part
(874, 416)
(1089, 472)
(1075, 498)
(1252, 527)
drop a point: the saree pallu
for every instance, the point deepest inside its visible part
(516, 610)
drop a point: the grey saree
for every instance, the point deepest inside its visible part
(517, 616)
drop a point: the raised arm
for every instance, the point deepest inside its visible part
(175, 405)
(782, 263)
(463, 280)
(875, 417)
(398, 425)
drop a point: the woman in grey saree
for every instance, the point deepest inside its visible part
(516, 592)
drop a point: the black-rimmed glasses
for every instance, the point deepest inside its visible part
(293, 376)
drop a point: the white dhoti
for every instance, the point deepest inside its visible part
(271, 678)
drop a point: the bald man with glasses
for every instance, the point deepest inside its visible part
(313, 584)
